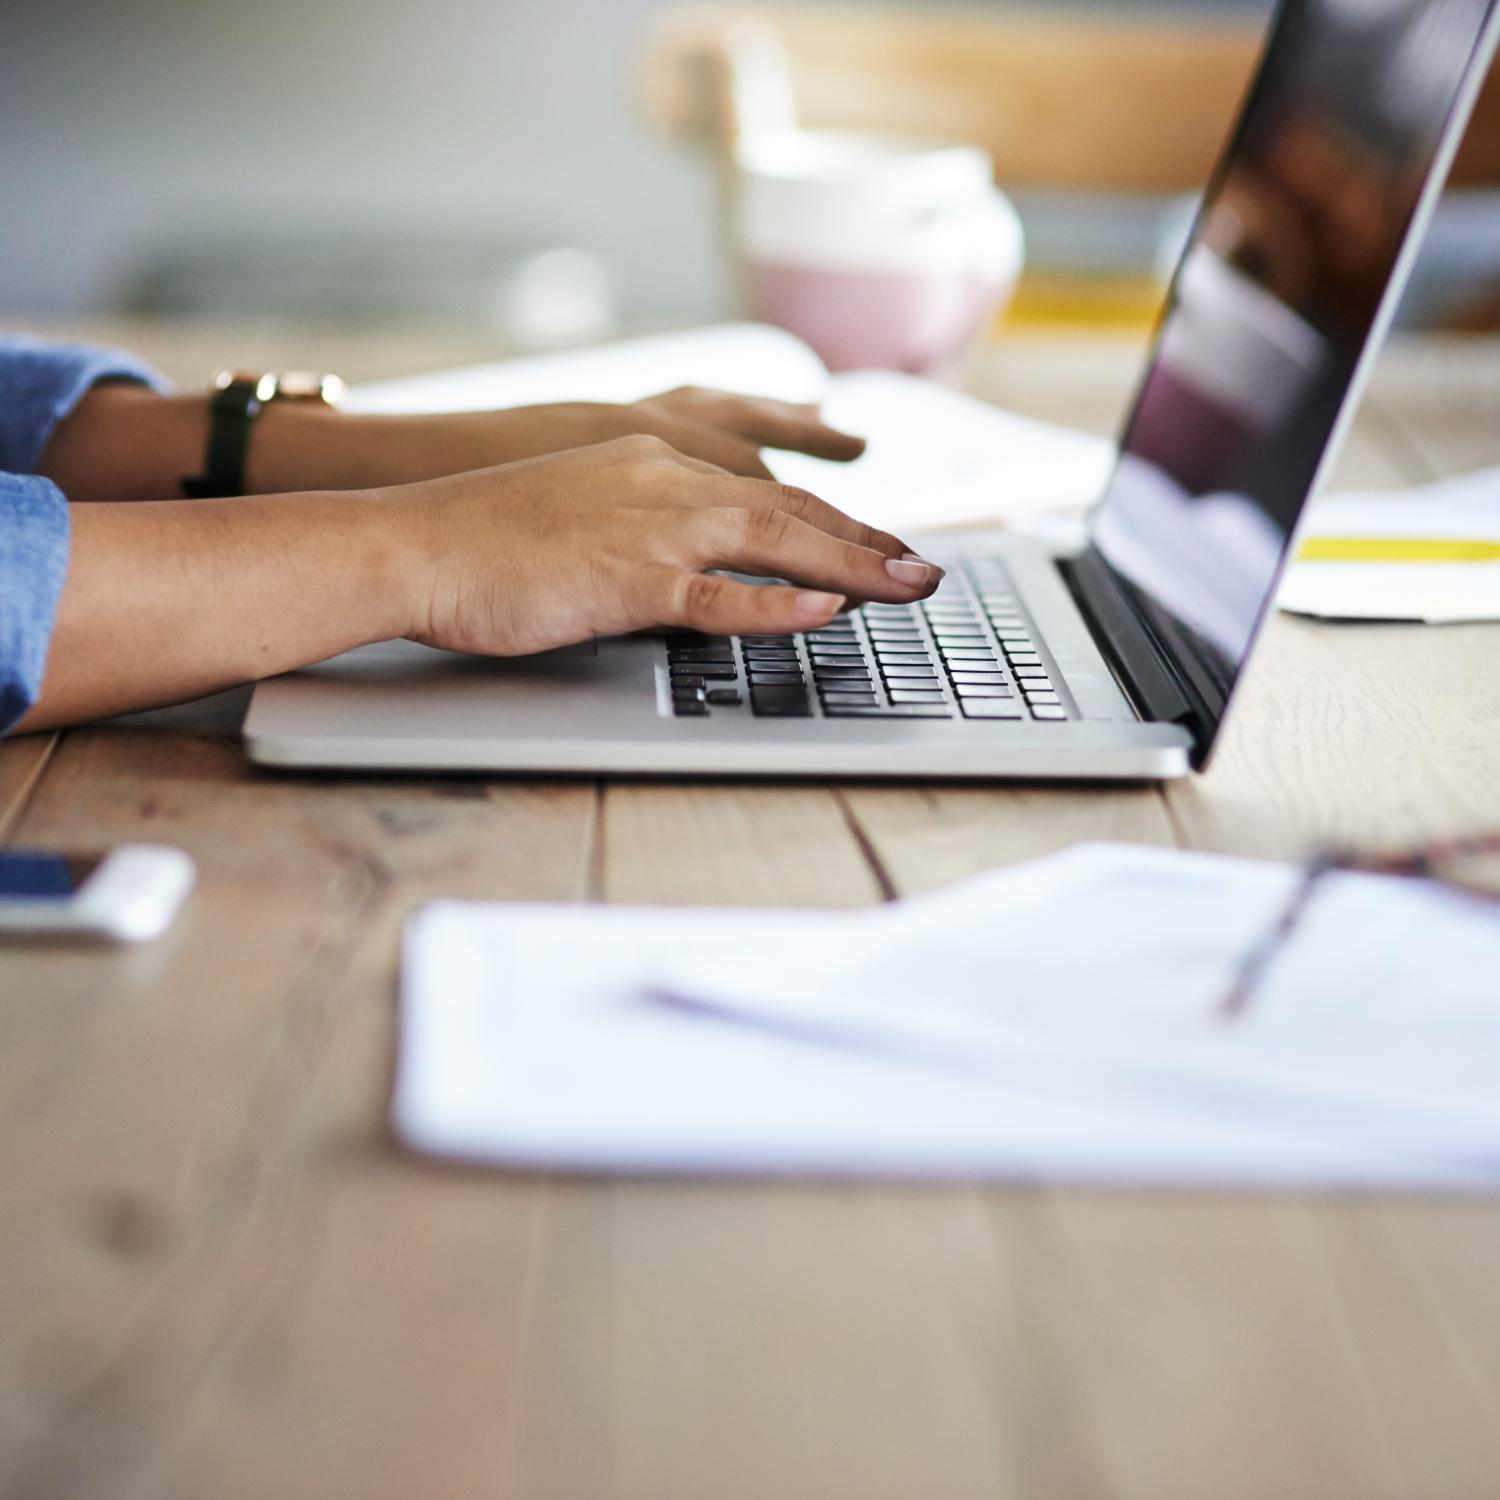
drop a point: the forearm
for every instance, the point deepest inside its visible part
(165, 601)
(128, 443)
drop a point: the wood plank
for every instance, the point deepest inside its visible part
(23, 762)
(1423, 1328)
(802, 1342)
(1440, 395)
(189, 351)
(722, 1340)
(1223, 1366)
(926, 839)
(223, 1280)
(732, 845)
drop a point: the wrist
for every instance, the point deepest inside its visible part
(125, 442)
(398, 551)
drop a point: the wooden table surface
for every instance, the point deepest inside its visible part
(218, 1277)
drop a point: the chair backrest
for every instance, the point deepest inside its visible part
(1073, 101)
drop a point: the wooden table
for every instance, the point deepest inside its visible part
(221, 1279)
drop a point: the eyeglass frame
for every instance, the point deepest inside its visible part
(1421, 863)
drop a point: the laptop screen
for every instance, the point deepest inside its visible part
(1274, 303)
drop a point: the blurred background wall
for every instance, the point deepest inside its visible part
(138, 129)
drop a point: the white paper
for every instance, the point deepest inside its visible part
(937, 459)
(749, 358)
(1054, 1021)
(1463, 509)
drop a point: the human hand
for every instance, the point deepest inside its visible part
(620, 537)
(720, 428)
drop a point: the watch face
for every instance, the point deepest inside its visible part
(304, 385)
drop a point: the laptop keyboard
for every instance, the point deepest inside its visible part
(967, 653)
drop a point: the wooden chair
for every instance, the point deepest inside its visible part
(1072, 101)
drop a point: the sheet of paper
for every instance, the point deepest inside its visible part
(1465, 508)
(937, 459)
(969, 1034)
(751, 358)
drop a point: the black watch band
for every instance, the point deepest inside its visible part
(232, 413)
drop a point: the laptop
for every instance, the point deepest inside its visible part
(1116, 659)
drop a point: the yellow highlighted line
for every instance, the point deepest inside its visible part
(1417, 549)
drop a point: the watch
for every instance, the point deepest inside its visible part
(237, 402)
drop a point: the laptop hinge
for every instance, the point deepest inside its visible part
(1159, 692)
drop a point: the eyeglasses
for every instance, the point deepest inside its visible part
(1442, 863)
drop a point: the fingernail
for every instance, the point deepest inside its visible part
(915, 557)
(914, 575)
(811, 603)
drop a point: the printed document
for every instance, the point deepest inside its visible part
(1060, 1020)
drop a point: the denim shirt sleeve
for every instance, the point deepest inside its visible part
(33, 560)
(39, 385)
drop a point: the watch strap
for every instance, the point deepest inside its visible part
(232, 413)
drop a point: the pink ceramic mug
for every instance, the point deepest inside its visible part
(879, 251)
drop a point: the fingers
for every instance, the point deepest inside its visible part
(767, 423)
(715, 445)
(778, 545)
(808, 507)
(723, 606)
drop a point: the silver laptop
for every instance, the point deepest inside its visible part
(1115, 660)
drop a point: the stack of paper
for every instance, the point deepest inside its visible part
(1059, 1020)
(1429, 554)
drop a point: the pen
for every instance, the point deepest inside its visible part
(1417, 549)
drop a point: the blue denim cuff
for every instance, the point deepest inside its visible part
(40, 383)
(34, 529)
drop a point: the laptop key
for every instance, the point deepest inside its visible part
(895, 711)
(849, 700)
(775, 679)
(979, 690)
(987, 678)
(926, 673)
(707, 672)
(911, 695)
(779, 702)
(718, 654)
(1048, 711)
(724, 697)
(992, 708)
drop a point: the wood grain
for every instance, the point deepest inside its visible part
(222, 1279)
(1060, 97)
(22, 763)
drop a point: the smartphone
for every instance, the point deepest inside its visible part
(129, 894)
